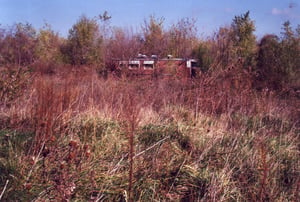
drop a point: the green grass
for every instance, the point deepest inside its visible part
(82, 152)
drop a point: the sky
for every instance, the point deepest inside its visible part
(210, 15)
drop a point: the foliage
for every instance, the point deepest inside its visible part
(12, 84)
(18, 44)
(153, 35)
(179, 40)
(204, 56)
(269, 64)
(48, 46)
(84, 42)
(244, 38)
(278, 60)
(123, 44)
(290, 54)
(224, 52)
(182, 38)
(66, 142)
(72, 136)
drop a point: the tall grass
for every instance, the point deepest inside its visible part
(73, 136)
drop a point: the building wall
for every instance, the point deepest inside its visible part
(174, 67)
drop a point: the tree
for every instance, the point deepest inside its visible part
(18, 44)
(84, 42)
(244, 39)
(279, 59)
(235, 45)
(290, 54)
(182, 38)
(48, 46)
(298, 32)
(123, 44)
(2, 36)
(104, 17)
(153, 36)
(105, 28)
(288, 33)
(203, 54)
(223, 48)
(270, 70)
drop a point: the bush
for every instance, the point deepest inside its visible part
(150, 134)
(13, 83)
(90, 129)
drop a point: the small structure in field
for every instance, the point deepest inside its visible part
(164, 67)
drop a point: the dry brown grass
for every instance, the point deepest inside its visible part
(75, 136)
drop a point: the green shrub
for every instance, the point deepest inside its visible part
(12, 83)
(150, 134)
(93, 128)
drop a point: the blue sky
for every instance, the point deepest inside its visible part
(268, 15)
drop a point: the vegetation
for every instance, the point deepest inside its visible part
(69, 134)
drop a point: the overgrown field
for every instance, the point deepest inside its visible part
(73, 136)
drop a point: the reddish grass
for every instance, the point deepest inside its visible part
(213, 138)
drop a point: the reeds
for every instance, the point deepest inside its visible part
(75, 136)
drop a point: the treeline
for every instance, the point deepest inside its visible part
(273, 61)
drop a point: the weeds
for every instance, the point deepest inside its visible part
(83, 138)
(13, 82)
